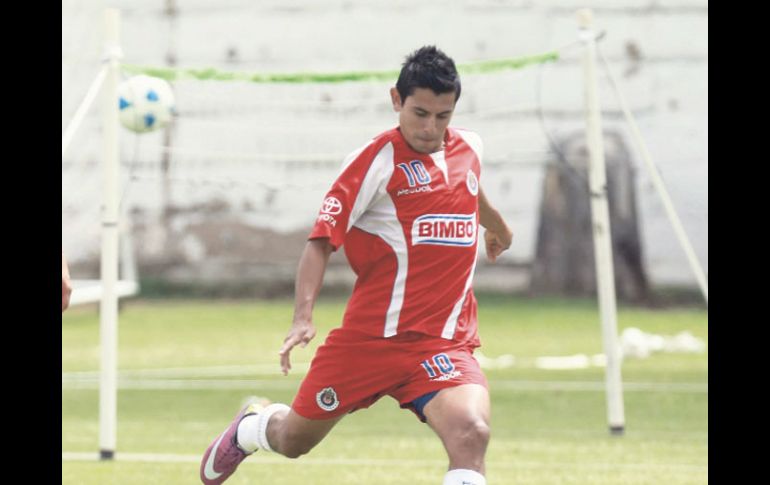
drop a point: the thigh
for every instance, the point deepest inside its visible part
(456, 406)
(437, 367)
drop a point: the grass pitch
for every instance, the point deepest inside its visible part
(185, 367)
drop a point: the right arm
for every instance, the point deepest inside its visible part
(310, 273)
(349, 197)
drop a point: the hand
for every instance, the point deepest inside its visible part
(497, 243)
(302, 332)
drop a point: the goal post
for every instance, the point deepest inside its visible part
(108, 309)
(600, 217)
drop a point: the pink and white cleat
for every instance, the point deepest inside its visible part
(224, 455)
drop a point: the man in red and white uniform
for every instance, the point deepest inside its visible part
(406, 207)
(407, 220)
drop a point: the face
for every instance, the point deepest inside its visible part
(424, 117)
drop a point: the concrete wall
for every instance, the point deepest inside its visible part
(249, 163)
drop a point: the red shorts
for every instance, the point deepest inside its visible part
(351, 371)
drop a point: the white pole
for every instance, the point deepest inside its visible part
(82, 110)
(657, 180)
(108, 311)
(605, 279)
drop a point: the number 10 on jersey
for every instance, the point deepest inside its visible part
(415, 173)
(442, 363)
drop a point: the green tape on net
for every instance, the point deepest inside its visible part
(211, 74)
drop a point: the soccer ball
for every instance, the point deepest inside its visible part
(146, 103)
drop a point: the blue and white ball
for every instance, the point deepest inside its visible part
(146, 103)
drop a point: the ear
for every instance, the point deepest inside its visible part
(395, 99)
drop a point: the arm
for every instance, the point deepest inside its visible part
(310, 273)
(66, 285)
(498, 236)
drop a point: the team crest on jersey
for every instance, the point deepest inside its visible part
(472, 182)
(327, 399)
(444, 229)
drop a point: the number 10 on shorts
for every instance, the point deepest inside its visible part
(442, 363)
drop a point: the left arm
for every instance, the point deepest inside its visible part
(498, 236)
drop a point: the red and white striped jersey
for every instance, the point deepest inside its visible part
(409, 223)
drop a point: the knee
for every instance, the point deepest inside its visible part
(473, 432)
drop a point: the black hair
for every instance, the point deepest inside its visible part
(428, 67)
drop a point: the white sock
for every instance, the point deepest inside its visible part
(252, 430)
(248, 433)
(460, 476)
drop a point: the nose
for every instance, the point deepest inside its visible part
(429, 126)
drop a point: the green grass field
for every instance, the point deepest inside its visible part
(187, 365)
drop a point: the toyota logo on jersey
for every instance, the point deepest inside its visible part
(444, 229)
(331, 206)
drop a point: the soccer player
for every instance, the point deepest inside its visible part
(407, 207)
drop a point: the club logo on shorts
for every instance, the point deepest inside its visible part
(331, 206)
(444, 229)
(472, 182)
(327, 399)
